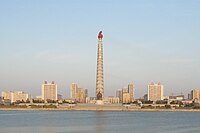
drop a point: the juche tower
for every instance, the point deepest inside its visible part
(99, 75)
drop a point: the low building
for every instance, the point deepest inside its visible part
(176, 98)
(71, 101)
(189, 96)
(37, 100)
(60, 97)
(7, 95)
(39, 97)
(145, 97)
(186, 102)
(111, 100)
(16, 96)
(91, 100)
(1, 100)
(6, 101)
(21, 96)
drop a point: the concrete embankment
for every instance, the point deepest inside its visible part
(106, 107)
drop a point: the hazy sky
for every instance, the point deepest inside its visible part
(144, 41)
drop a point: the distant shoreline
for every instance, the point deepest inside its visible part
(100, 110)
(93, 107)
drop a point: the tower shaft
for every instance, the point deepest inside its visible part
(99, 74)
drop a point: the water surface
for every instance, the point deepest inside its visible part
(98, 122)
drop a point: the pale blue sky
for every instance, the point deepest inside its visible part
(144, 41)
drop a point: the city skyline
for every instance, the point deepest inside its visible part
(56, 41)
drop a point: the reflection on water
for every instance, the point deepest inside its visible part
(98, 122)
(50, 130)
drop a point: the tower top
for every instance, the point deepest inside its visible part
(100, 35)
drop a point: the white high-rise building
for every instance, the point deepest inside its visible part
(49, 91)
(119, 94)
(155, 92)
(73, 90)
(195, 95)
(131, 91)
(127, 94)
(78, 94)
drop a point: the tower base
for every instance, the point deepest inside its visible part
(99, 102)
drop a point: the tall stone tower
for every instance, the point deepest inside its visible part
(99, 76)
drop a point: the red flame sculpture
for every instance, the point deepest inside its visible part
(100, 36)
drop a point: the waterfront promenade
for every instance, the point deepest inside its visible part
(106, 107)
